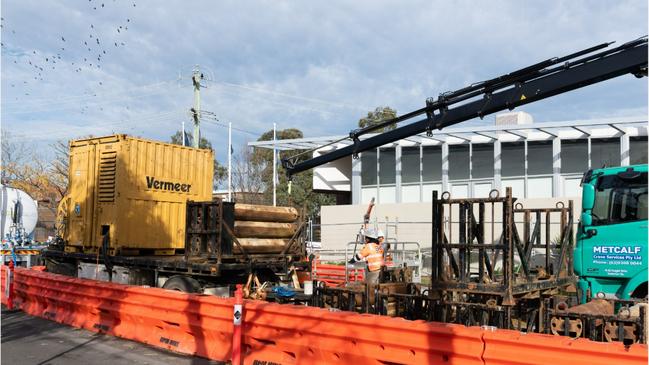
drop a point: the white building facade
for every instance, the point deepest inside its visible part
(542, 162)
(538, 161)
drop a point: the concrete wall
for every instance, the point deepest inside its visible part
(341, 223)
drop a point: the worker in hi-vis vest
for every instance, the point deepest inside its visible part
(385, 247)
(372, 252)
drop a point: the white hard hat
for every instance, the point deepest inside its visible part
(379, 233)
(370, 233)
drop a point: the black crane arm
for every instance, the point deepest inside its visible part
(539, 81)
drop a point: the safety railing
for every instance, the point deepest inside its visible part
(335, 275)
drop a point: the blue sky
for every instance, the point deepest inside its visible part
(316, 66)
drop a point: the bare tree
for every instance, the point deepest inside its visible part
(26, 170)
(247, 177)
(60, 167)
(13, 155)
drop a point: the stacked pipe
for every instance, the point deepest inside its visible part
(264, 229)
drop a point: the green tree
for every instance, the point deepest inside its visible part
(302, 195)
(380, 114)
(177, 138)
(220, 171)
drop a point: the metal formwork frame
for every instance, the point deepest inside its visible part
(457, 244)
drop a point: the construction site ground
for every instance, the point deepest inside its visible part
(31, 340)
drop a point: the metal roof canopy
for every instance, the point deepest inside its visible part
(466, 134)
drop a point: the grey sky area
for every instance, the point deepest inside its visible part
(74, 68)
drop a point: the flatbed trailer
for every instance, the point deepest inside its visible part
(194, 275)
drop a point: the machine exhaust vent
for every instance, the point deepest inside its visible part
(107, 173)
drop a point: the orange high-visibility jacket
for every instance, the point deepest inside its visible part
(373, 253)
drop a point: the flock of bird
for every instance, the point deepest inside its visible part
(95, 49)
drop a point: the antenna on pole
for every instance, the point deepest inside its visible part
(197, 76)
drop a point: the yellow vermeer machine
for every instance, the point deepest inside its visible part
(141, 212)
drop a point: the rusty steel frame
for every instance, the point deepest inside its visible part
(522, 317)
(528, 315)
(455, 279)
(339, 298)
(212, 223)
(595, 326)
(204, 223)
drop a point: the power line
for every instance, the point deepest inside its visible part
(277, 93)
(279, 103)
(214, 120)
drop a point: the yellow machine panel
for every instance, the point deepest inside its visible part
(134, 191)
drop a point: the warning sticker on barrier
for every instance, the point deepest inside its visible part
(237, 314)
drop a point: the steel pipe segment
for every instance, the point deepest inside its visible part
(264, 229)
(262, 245)
(264, 213)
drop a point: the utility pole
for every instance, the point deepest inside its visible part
(274, 165)
(230, 161)
(182, 135)
(197, 76)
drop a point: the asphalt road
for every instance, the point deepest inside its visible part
(30, 340)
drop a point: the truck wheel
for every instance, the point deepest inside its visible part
(640, 292)
(183, 283)
(62, 268)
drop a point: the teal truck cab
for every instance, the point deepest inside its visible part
(611, 252)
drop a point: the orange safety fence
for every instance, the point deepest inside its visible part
(3, 284)
(507, 347)
(334, 275)
(287, 334)
(273, 333)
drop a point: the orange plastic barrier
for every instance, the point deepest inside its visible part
(307, 335)
(505, 347)
(287, 334)
(190, 324)
(3, 284)
(202, 325)
(335, 274)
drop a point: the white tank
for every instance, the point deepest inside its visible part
(27, 212)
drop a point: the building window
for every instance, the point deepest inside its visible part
(512, 159)
(605, 152)
(482, 163)
(368, 168)
(539, 158)
(574, 156)
(432, 163)
(638, 150)
(458, 162)
(410, 165)
(387, 167)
